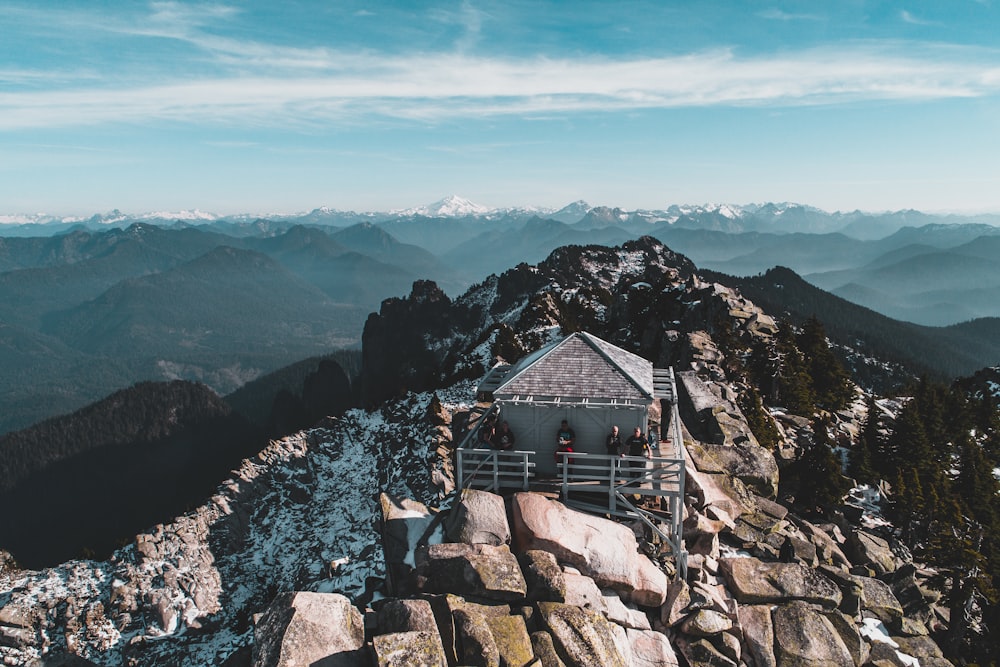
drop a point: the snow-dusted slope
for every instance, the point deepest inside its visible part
(302, 515)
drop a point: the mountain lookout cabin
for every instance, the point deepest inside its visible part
(593, 385)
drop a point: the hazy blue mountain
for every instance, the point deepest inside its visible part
(708, 248)
(499, 249)
(604, 216)
(438, 235)
(874, 226)
(923, 284)
(224, 317)
(571, 213)
(939, 235)
(42, 376)
(27, 294)
(943, 352)
(800, 252)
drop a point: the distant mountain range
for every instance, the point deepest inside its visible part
(88, 306)
(778, 218)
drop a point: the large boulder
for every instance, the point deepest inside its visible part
(544, 576)
(545, 649)
(585, 637)
(756, 582)
(406, 616)
(700, 652)
(510, 634)
(716, 489)
(878, 599)
(804, 636)
(749, 462)
(867, 549)
(404, 523)
(758, 633)
(405, 649)
(445, 608)
(479, 571)
(478, 517)
(475, 642)
(651, 649)
(601, 549)
(301, 628)
(649, 583)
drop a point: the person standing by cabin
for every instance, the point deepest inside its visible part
(613, 443)
(565, 438)
(503, 439)
(487, 431)
(638, 445)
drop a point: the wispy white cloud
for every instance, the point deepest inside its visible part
(907, 17)
(430, 87)
(776, 14)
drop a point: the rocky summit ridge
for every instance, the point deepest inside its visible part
(350, 535)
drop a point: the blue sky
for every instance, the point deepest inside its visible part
(265, 106)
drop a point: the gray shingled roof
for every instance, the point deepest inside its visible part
(581, 366)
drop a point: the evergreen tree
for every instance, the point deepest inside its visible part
(986, 421)
(830, 381)
(821, 482)
(908, 445)
(793, 383)
(953, 547)
(977, 486)
(861, 464)
(760, 422)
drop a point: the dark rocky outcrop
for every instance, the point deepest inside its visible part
(478, 571)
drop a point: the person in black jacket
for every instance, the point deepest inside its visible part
(503, 439)
(565, 438)
(614, 444)
(638, 445)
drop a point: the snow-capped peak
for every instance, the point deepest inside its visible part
(193, 214)
(449, 207)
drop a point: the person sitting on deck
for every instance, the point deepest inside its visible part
(565, 438)
(503, 439)
(614, 443)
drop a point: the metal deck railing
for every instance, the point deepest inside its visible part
(494, 470)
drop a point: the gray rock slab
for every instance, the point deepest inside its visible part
(302, 628)
(543, 576)
(408, 649)
(406, 616)
(510, 634)
(803, 636)
(651, 649)
(757, 582)
(758, 633)
(584, 636)
(478, 517)
(480, 570)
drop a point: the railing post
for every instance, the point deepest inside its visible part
(565, 473)
(461, 475)
(496, 471)
(612, 478)
(524, 471)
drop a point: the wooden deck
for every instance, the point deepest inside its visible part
(628, 487)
